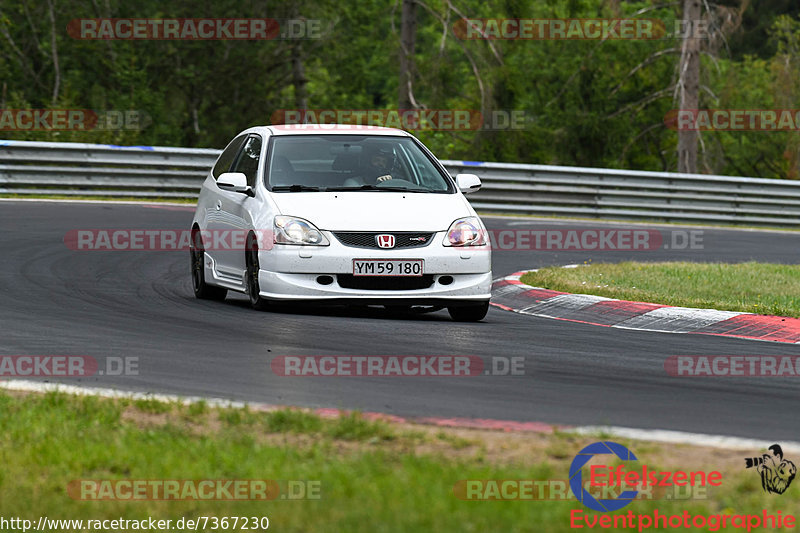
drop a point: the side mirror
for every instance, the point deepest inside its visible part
(468, 183)
(234, 182)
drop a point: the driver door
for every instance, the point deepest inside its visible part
(234, 215)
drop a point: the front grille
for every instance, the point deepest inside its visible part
(367, 239)
(385, 283)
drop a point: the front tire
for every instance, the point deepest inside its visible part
(202, 290)
(469, 313)
(251, 261)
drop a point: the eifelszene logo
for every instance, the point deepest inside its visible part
(576, 476)
(776, 472)
(618, 478)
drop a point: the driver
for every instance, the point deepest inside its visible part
(379, 163)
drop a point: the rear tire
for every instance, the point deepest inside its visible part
(469, 313)
(202, 290)
(251, 261)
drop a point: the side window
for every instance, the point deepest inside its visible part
(228, 155)
(248, 160)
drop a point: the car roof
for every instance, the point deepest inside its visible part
(332, 129)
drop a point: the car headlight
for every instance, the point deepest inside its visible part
(294, 230)
(466, 232)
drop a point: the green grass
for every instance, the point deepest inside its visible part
(150, 405)
(372, 475)
(762, 288)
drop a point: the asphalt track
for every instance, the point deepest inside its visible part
(56, 301)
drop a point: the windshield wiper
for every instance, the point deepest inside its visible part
(375, 188)
(295, 188)
(359, 188)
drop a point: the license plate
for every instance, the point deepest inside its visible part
(387, 267)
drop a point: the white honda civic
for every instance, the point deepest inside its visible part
(339, 214)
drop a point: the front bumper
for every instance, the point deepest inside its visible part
(292, 272)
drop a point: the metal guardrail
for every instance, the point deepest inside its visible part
(150, 172)
(78, 169)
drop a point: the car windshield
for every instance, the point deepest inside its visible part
(314, 163)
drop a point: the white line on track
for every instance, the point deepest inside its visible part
(681, 437)
(38, 386)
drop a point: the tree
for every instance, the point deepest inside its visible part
(408, 36)
(689, 84)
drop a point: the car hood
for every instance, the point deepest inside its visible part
(374, 211)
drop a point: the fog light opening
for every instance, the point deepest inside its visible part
(324, 280)
(445, 280)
